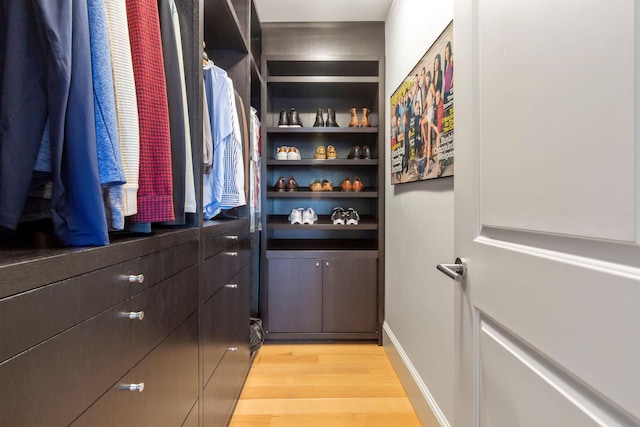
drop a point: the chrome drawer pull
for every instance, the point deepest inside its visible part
(136, 278)
(231, 285)
(231, 237)
(133, 315)
(232, 349)
(231, 253)
(133, 387)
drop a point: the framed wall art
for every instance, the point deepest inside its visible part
(422, 116)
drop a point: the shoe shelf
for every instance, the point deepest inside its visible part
(321, 130)
(276, 246)
(281, 222)
(323, 162)
(304, 192)
(323, 79)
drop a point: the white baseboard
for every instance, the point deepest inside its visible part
(424, 392)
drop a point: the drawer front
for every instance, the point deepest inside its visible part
(222, 315)
(53, 382)
(39, 314)
(170, 377)
(192, 418)
(220, 268)
(222, 391)
(219, 242)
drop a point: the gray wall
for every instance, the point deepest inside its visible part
(419, 235)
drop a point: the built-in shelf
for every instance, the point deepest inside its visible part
(320, 245)
(321, 130)
(323, 79)
(304, 192)
(281, 222)
(316, 162)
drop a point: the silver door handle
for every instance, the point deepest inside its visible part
(455, 271)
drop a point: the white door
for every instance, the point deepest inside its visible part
(547, 212)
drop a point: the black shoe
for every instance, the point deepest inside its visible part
(295, 121)
(354, 153)
(331, 119)
(337, 216)
(319, 120)
(365, 153)
(284, 119)
(351, 217)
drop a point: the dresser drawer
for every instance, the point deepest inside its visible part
(170, 377)
(222, 391)
(53, 382)
(220, 268)
(222, 315)
(41, 313)
(216, 243)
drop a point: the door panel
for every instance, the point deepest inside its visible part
(545, 196)
(557, 111)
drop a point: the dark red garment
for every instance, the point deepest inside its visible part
(155, 200)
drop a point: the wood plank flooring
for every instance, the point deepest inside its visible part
(323, 385)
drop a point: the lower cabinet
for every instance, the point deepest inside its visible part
(332, 296)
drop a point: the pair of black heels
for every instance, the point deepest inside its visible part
(359, 153)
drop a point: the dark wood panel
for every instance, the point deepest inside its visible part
(321, 66)
(22, 270)
(222, 315)
(53, 382)
(321, 336)
(294, 295)
(349, 295)
(217, 242)
(220, 268)
(170, 377)
(222, 392)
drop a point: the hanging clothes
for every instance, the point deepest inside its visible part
(190, 204)
(255, 207)
(126, 104)
(173, 80)
(233, 194)
(109, 159)
(155, 200)
(207, 138)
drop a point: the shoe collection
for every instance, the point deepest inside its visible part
(288, 153)
(324, 185)
(340, 216)
(289, 120)
(303, 216)
(355, 185)
(364, 123)
(283, 184)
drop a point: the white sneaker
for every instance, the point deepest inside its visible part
(293, 154)
(295, 217)
(309, 216)
(352, 216)
(282, 153)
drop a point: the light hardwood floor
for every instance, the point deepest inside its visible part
(323, 385)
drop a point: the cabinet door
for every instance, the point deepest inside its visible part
(349, 295)
(295, 295)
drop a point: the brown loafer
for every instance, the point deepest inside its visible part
(332, 153)
(315, 185)
(326, 185)
(292, 185)
(346, 185)
(281, 184)
(320, 153)
(357, 184)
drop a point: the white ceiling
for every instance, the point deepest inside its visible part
(322, 10)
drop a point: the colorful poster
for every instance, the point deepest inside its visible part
(422, 117)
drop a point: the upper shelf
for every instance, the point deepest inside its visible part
(323, 162)
(223, 29)
(275, 129)
(322, 79)
(309, 66)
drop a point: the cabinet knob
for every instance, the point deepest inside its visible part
(231, 285)
(231, 253)
(136, 278)
(317, 264)
(135, 315)
(232, 237)
(327, 263)
(232, 349)
(133, 387)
